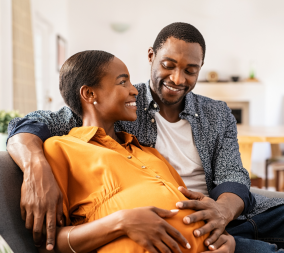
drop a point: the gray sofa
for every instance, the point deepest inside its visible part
(12, 227)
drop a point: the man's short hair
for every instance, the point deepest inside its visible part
(83, 68)
(181, 31)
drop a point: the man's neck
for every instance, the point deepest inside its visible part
(169, 112)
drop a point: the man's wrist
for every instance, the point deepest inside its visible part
(232, 204)
(226, 211)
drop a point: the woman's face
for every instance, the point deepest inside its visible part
(116, 95)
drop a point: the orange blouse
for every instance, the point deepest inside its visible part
(98, 176)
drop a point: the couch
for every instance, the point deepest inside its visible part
(12, 227)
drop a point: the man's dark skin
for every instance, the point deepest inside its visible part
(177, 64)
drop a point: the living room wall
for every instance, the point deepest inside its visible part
(237, 33)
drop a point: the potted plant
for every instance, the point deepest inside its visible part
(4, 247)
(5, 118)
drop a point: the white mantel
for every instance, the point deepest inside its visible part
(251, 92)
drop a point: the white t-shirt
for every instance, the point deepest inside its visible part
(176, 144)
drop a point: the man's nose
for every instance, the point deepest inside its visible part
(178, 77)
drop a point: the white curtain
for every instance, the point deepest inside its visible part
(24, 88)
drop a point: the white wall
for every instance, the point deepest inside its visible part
(6, 61)
(53, 16)
(236, 32)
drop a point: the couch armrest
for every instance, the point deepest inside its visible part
(269, 194)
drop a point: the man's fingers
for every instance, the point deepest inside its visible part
(207, 228)
(23, 212)
(217, 244)
(215, 235)
(197, 216)
(59, 211)
(222, 249)
(37, 229)
(29, 221)
(191, 194)
(191, 204)
(226, 244)
(50, 229)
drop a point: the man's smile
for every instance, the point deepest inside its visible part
(176, 89)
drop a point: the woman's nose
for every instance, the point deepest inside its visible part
(133, 91)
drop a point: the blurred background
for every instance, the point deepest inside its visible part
(243, 64)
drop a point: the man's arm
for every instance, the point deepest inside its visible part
(41, 197)
(40, 194)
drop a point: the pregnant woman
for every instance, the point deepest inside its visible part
(112, 186)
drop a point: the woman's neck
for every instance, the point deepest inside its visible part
(89, 120)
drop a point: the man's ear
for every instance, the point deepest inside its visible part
(151, 55)
(88, 94)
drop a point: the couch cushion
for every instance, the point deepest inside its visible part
(12, 227)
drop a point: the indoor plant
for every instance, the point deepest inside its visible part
(5, 118)
(4, 247)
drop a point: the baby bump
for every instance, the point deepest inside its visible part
(126, 245)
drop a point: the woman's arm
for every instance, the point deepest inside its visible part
(146, 226)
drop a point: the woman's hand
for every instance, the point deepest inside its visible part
(147, 227)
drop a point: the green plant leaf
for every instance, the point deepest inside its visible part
(4, 247)
(5, 118)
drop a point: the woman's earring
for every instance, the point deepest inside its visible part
(95, 102)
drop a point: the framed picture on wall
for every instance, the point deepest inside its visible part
(61, 51)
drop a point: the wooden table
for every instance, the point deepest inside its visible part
(247, 135)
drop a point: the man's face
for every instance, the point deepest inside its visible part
(174, 69)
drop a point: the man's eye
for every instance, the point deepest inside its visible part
(123, 82)
(166, 66)
(190, 72)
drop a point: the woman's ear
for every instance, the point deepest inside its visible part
(88, 94)
(151, 55)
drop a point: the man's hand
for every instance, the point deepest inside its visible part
(41, 198)
(147, 227)
(217, 214)
(225, 244)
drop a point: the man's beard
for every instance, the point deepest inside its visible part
(158, 85)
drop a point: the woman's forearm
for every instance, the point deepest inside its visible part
(90, 236)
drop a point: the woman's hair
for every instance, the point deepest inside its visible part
(181, 31)
(83, 68)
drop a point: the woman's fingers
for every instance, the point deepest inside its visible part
(177, 236)
(163, 213)
(169, 246)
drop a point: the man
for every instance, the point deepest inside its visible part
(197, 135)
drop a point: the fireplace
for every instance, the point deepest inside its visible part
(240, 110)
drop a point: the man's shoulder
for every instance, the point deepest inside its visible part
(206, 103)
(140, 85)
